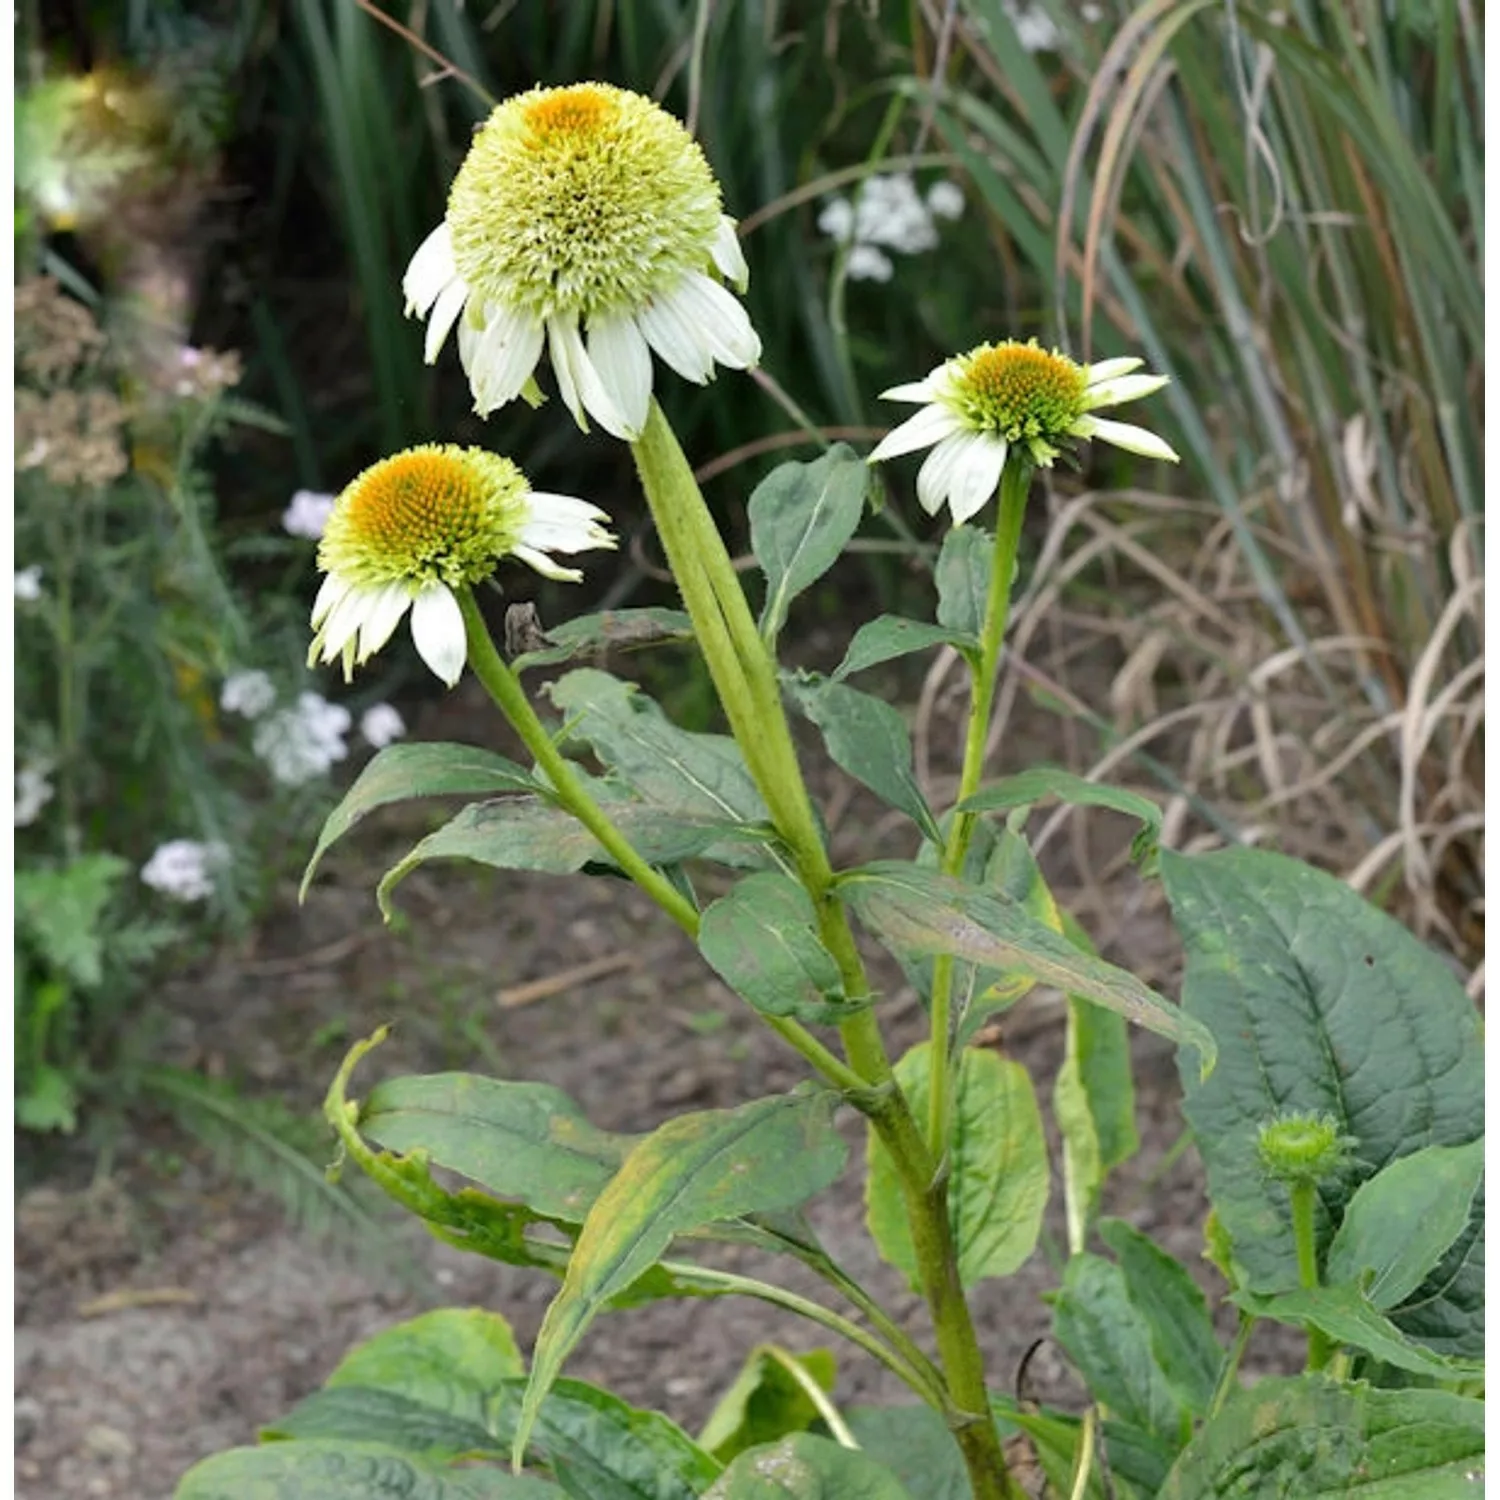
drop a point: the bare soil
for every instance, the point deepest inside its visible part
(165, 1312)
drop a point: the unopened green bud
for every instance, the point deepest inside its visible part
(1303, 1146)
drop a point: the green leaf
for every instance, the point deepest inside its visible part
(917, 911)
(1040, 782)
(916, 1445)
(1324, 1004)
(1109, 1339)
(529, 833)
(889, 636)
(1446, 1313)
(718, 1164)
(452, 1360)
(867, 738)
(610, 630)
(1402, 1221)
(604, 1449)
(801, 517)
(61, 912)
(1176, 1312)
(762, 941)
(365, 1414)
(997, 1161)
(803, 1467)
(768, 1399)
(1134, 1455)
(402, 771)
(527, 1141)
(1317, 1439)
(963, 579)
(1348, 1317)
(49, 1103)
(342, 1470)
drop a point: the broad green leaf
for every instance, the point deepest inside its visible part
(610, 630)
(529, 833)
(50, 1101)
(1318, 1439)
(1347, 1317)
(769, 1398)
(889, 636)
(718, 1164)
(1109, 1340)
(997, 1160)
(803, 1467)
(869, 739)
(1323, 1003)
(364, 1414)
(699, 775)
(1401, 1222)
(402, 771)
(452, 1359)
(916, 1445)
(963, 579)
(602, 1448)
(527, 1141)
(61, 911)
(1182, 1330)
(916, 911)
(801, 518)
(1040, 782)
(762, 941)
(342, 1470)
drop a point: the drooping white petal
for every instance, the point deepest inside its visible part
(914, 390)
(975, 477)
(723, 326)
(935, 477)
(545, 565)
(578, 382)
(1124, 435)
(1112, 369)
(930, 425)
(445, 312)
(430, 270)
(382, 615)
(341, 628)
(728, 256)
(437, 631)
(563, 523)
(1122, 389)
(623, 360)
(334, 587)
(500, 353)
(668, 332)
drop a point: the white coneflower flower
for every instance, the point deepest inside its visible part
(29, 584)
(303, 741)
(307, 515)
(413, 528)
(381, 725)
(980, 406)
(587, 218)
(249, 693)
(185, 869)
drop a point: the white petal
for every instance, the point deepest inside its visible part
(578, 382)
(545, 565)
(976, 477)
(500, 353)
(382, 615)
(1111, 369)
(721, 324)
(914, 390)
(334, 587)
(728, 256)
(667, 330)
(445, 311)
(1124, 435)
(935, 477)
(1124, 388)
(430, 270)
(561, 523)
(344, 621)
(930, 425)
(623, 360)
(437, 631)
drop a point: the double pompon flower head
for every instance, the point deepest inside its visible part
(980, 406)
(414, 528)
(583, 210)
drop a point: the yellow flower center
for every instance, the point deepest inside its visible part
(571, 111)
(1019, 391)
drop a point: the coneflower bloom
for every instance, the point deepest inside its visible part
(414, 528)
(979, 407)
(587, 219)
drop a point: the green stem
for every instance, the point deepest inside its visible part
(1228, 1376)
(1304, 1196)
(1015, 480)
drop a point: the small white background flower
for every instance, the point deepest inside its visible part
(307, 515)
(33, 792)
(184, 869)
(302, 742)
(29, 584)
(381, 725)
(249, 693)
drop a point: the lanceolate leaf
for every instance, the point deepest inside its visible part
(1319, 1439)
(916, 911)
(610, 630)
(719, 1164)
(1330, 1006)
(770, 1397)
(1040, 782)
(888, 637)
(963, 579)
(400, 772)
(801, 518)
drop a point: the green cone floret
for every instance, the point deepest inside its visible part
(999, 400)
(1303, 1147)
(415, 527)
(584, 219)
